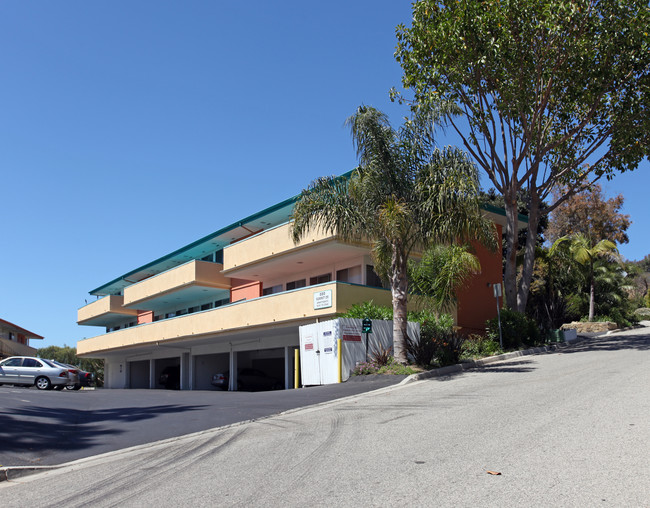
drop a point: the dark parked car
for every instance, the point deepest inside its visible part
(83, 378)
(170, 377)
(248, 379)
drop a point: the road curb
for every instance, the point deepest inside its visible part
(14, 472)
(473, 364)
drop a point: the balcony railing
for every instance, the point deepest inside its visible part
(185, 280)
(302, 305)
(270, 243)
(273, 252)
(104, 312)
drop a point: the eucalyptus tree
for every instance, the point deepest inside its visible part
(541, 92)
(405, 195)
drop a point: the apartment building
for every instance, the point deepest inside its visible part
(235, 298)
(14, 340)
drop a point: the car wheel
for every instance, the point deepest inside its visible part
(73, 387)
(43, 383)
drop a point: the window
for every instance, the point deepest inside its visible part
(209, 258)
(272, 290)
(206, 306)
(372, 279)
(13, 362)
(320, 279)
(30, 362)
(192, 310)
(157, 318)
(352, 274)
(219, 303)
(295, 284)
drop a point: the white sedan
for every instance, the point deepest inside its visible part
(28, 371)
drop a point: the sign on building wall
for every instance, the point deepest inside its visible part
(323, 299)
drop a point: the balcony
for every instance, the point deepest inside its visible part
(106, 311)
(272, 254)
(289, 308)
(11, 348)
(191, 282)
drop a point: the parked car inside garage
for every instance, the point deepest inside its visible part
(170, 377)
(248, 379)
(28, 371)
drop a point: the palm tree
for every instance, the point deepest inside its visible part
(441, 272)
(584, 252)
(405, 195)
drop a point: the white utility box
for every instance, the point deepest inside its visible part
(319, 352)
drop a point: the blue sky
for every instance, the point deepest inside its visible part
(130, 129)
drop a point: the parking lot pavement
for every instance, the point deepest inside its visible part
(49, 428)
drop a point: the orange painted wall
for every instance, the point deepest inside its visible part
(245, 289)
(476, 302)
(145, 316)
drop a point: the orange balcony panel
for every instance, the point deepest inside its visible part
(104, 312)
(273, 254)
(191, 281)
(293, 307)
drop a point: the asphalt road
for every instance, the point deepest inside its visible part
(570, 428)
(50, 427)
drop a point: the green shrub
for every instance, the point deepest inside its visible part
(615, 316)
(642, 313)
(381, 355)
(518, 330)
(448, 348)
(434, 332)
(478, 346)
(392, 367)
(368, 310)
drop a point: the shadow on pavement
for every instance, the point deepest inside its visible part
(510, 366)
(39, 428)
(637, 341)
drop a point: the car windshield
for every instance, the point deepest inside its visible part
(51, 363)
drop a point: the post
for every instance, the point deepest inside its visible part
(296, 368)
(339, 345)
(497, 294)
(366, 327)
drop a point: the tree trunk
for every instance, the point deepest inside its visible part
(592, 292)
(399, 291)
(529, 253)
(510, 279)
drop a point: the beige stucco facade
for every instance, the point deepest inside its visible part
(234, 299)
(260, 313)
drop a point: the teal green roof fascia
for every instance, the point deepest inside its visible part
(262, 213)
(500, 211)
(206, 238)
